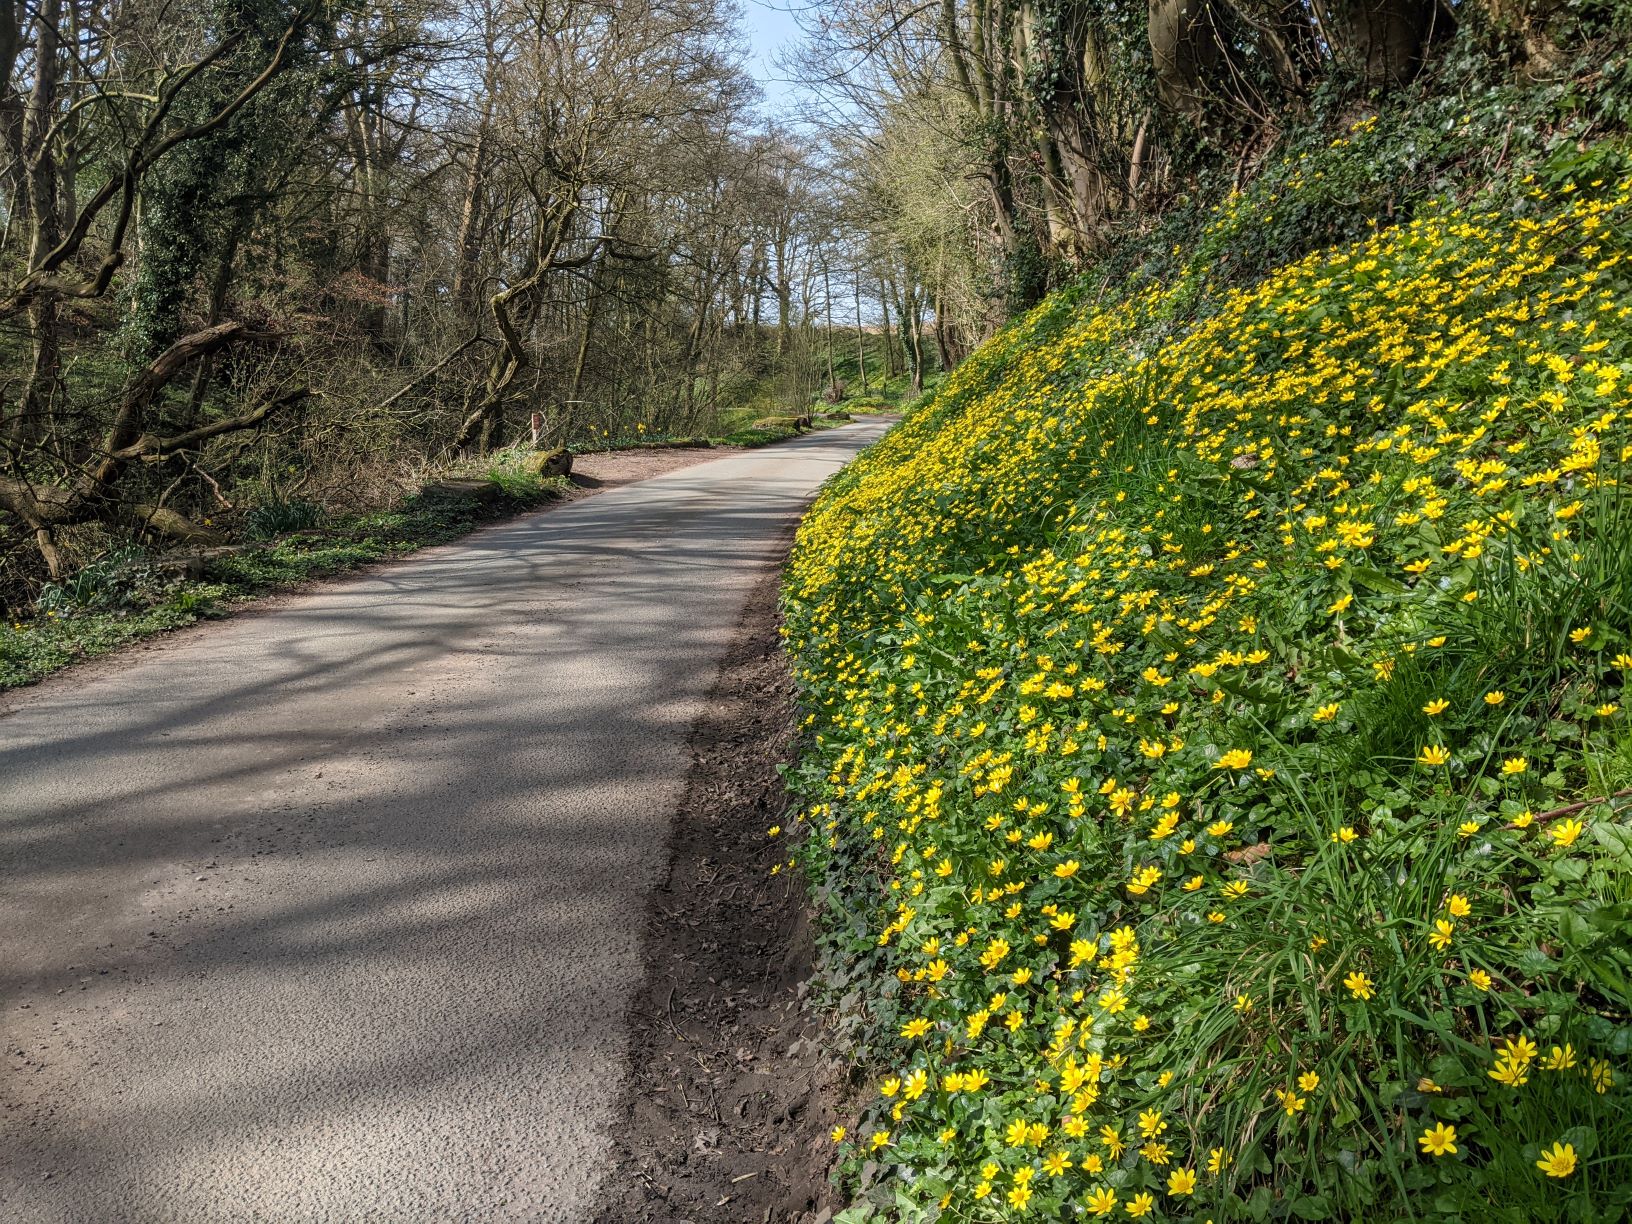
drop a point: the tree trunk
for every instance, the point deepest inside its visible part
(44, 216)
(884, 292)
(861, 349)
(827, 305)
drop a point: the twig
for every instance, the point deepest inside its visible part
(1570, 808)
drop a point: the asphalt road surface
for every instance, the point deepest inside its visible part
(331, 911)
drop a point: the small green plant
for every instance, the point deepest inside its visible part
(122, 578)
(274, 518)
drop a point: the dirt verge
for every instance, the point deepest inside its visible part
(602, 470)
(732, 1093)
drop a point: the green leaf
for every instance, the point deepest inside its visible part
(1312, 1207)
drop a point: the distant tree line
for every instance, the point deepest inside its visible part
(259, 249)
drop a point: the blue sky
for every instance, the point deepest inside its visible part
(770, 27)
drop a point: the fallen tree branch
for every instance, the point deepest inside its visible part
(151, 448)
(435, 369)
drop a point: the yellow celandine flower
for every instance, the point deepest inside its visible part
(1102, 1200)
(1607, 709)
(1309, 1081)
(1439, 1140)
(1458, 905)
(1580, 635)
(1142, 879)
(1019, 1196)
(1325, 713)
(1601, 1075)
(1359, 985)
(1565, 832)
(1558, 1161)
(1467, 828)
(1495, 697)
(1520, 1048)
(1067, 869)
(1181, 1182)
(1515, 765)
(1562, 1058)
(1056, 1163)
(1435, 754)
(1345, 835)
(880, 1139)
(1111, 1139)
(838, 1133)
(1243, 1003)
(1480, 979)
(1513, 1074)
(1441, 934)
(1151, 1124)
(1291, 1102)
(1236, 758)
(915, 1028)
(1437, 706)
(1099, 594)
(1141, 1205)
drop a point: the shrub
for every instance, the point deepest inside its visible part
(1217, 760)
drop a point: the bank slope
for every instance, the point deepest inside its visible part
(1215, 746)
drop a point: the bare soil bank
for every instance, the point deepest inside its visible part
(732, 1091)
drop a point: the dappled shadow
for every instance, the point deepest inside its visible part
(366, 872)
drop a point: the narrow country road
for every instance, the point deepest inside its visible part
(331, 911)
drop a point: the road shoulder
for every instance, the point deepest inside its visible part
(731, 1092)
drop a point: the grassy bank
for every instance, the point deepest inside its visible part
(1216, 747)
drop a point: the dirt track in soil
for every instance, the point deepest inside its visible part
(733, 1094)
